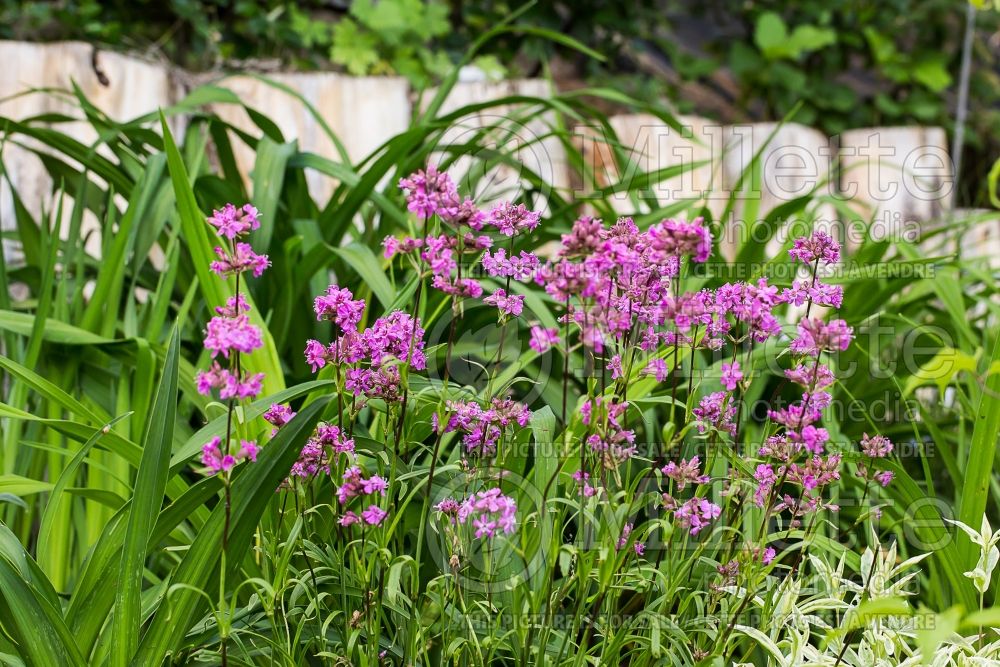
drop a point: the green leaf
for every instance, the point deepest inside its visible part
(982, 452)
(543, 428)
(770, 34)
(48, 390)
(22, 486)
(217, 427)
(68, 474)
(773, 39)
(862, 615)
(352, 48)
(941, 369)
(55, 331)
(147, 498)
(268, 179)
(935, 629)
(932, 72)
(33, 621)
(369, 269)
(806, 38)
(992, 180)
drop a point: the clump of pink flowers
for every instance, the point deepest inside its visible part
(213, 457)
(356, 485)
(490, 512)
(484, 429)
(370, 359)
(230, 334)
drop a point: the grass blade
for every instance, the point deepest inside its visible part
(147, 498)
(982, 452)
(31, 618)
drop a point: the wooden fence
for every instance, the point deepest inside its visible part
(900, 176)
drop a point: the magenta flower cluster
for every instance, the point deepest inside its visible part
(483, 429)
(490, 512)
(371, 358)
(696, 513)
(230, 334)
(620, 304)
(356, 485)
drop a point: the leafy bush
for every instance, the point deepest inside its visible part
(522, 435)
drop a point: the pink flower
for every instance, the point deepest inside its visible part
(333, 437)
(230, 333)
(615, 366)
(815, 472)
(810, 438)
(542, 339)
(731, 375)
(393, 246)
(697, 514)
(584, 239)
(355, 484)
(234, 306)
(677, 237)
(685, 472)
(814, 375)
(316, 354)
(766, 478)
(819, 245)
(248, 450)
(511, 219)
(583, 479)
(715, 410)
(458, 214)
(820, 294)
(658, 368)
(491, 513)
(752, 304)
(232, 222)
(511, 305)
(242, 259)
(876, 446)
(448, 507)
(226, 334)
(429, 192)
(522, 267)
(484, 428)
(229, 384)
(312, 460)
(816, 336)
(884, 477)
(217, 460)
(374, 515)
(623, 540)
(278, 415)
(339, 307)
(768, 556)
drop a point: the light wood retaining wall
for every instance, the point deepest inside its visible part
(900, 176)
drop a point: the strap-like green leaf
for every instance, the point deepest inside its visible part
(252, 490)
(147, 499)
(30, 616)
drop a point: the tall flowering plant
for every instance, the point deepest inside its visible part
(706, 486)
(228, 336)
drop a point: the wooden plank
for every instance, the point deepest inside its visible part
(121, 86)
(896, 178)
(536, 150)
(363, 113)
